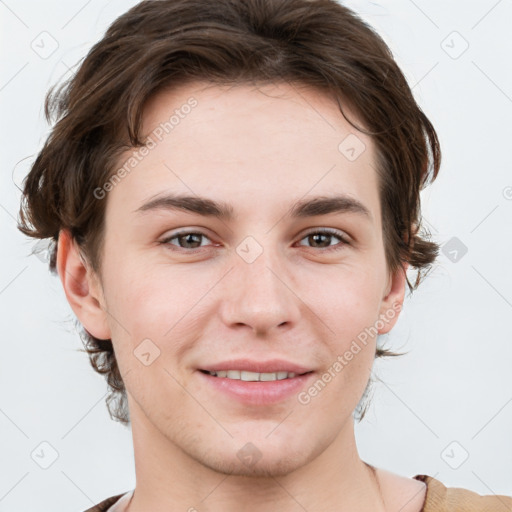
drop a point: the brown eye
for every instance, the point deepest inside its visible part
(186, 240)
(321, 239)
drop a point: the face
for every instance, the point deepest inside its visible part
(292, 274)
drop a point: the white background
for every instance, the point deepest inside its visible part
(455, 385)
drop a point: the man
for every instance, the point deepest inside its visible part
(233, 190)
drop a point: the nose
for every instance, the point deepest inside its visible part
(260, 296)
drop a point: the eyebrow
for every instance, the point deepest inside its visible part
(319, 205)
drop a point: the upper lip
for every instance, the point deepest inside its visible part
(248, 365)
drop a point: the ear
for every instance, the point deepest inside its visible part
(81, 287)
(393, 300)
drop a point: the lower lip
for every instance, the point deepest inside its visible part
(258, 393)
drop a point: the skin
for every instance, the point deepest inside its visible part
(250, 146)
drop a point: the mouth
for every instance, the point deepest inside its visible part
(251, 388)
(248, 376)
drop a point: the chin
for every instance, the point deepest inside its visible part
(274, 465)
(257, 453)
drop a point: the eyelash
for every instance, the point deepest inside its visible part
(325, 231)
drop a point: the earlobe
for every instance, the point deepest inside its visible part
(392, 302)
(81, 287)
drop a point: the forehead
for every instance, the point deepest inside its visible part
(249, 142)
(271, 114)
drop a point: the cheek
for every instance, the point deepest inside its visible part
(346, 299)
(156, 302)
(348, 306)
(349, 309)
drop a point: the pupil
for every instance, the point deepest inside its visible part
(189, 238)
(317, 236)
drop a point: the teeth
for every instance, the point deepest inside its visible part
(249, 376)
(252, 376)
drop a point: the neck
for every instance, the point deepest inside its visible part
(168, 478)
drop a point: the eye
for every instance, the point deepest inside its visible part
(323, 237)
(186, 239)
(320, 239)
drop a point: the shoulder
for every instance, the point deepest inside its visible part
(440, 498)
(105, 504)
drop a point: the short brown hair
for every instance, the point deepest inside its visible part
(162, 43)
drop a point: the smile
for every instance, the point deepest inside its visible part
(252, 376)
